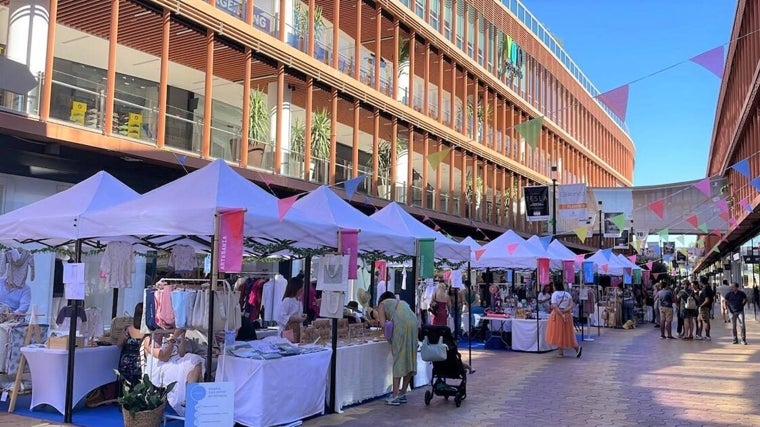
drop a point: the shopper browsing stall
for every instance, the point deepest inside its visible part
(290, 311)
(560, 331)
(403, 343)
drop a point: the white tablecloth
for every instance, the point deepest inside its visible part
(93, 367)
(365, 371)
(277, 391)
(524, 335)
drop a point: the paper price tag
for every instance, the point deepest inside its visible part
(4, 396)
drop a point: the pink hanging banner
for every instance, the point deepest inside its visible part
(349, 245)
(616, 281)
(381, 266)
(543, 271)
(231, 240)
(568, 271)
(645, 276)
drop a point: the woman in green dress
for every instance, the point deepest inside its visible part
(403, 343)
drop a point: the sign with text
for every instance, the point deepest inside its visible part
(237, 8)
(231, 240)
(210, 404)
(610, 228)
(537, 203)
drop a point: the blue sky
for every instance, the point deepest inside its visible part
(671, 114)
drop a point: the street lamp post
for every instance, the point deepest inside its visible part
(601, 231)
(554, 201)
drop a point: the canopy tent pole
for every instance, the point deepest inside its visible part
(468, 283)
(71, 345)
(307, 284)
(115, 303)
(373, 285)
(211, 295)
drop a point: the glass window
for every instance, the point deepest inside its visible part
(447, 19)
(419, 8)
(435, 10)
(460, 24)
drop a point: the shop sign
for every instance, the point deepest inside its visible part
(237, 8)
(537, 203)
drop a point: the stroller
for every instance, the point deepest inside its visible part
(451, 368)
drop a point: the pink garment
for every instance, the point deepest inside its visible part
(441, 315)
(164, 310)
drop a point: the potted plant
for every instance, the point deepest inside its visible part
(384, 165)
(301, 24)
(403, 70)
(258, 127)
(321, 128)
(143, 403)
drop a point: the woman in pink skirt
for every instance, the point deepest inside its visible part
(560, 331)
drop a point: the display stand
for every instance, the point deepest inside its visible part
(33, 328)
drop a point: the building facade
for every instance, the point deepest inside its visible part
(299, 94)
(736, 137)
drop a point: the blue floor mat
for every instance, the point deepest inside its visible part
(102, 416)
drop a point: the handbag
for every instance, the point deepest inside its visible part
(433, 352)
(332, 304)
(388, 327)
(333, 273)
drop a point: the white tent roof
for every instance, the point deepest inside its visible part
(57, 218)
(614, 265)
(627, 262)
(553, 252)
(395, 217)
(497, 253)
(186, 206)
(324, 205)
(469, 241)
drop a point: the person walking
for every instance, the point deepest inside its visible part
(723, 289)
(734, 304)
(687, 310)
(666, 311)
(656, 309)
(403, 344)
(560, 330)
(705, 308)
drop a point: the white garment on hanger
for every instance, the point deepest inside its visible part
(427, 296)
(182, 258)
(456, 279)
(272, 293)
(381, 288)
(118, 264)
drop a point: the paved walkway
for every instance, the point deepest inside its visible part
(626, 377)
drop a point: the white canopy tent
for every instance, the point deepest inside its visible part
(627, 262)
(324, 205)
(554, 253)
(509, 250)
(605, 257)
(187, 206)
(395, 217)
(469, 241)
(57, 219)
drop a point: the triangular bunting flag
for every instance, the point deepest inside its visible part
(436, 158)
(351, 185)
(267, 182)
(658, 207)
(284, 205)
(680, 239)
(607, 253)
(712, 60)
(663, 234)
(724, 216)
(722, 205)
(732, 221)
(181, 159)
(693, 220)
(530, 130)
(579, 258)
(582, 233)
(704, 187)
(632, 258)
(605, 267)
(479, 253)
(619, 221)
(436, 228)
(742, 166)
(745, 204)
(756, 183)
(703, 227)
(717, 232)
(512, 247)
(715, 249)
(700, 242)
(655, 275)
(425, 218)
(545, 241)
(617, 100)
(649, 265)
(684, 251)
(636, 245)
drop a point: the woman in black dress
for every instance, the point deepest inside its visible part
(130, 367)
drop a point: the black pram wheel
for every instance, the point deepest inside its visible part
(428, 397)
(458, 400)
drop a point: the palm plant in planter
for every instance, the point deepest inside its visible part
(143, 403)
(258, 127)
(301, 24)
(321, 128)
(384, 165)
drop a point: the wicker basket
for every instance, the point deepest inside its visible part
(118, 325)
(151, 418)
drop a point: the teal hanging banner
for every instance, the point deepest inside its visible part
(425, 257)
(637, 276)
